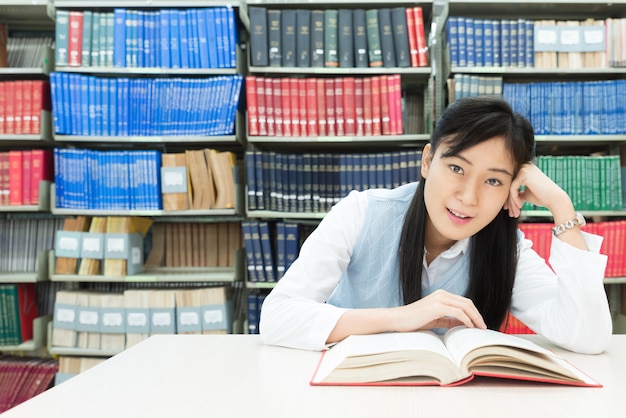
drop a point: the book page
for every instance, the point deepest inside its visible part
(369, 345)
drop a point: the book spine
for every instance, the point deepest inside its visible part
(331, 38)
(303, 38)
(259, 56)
(346, 38)
(274, 37)
(288, 38)
(317, 38)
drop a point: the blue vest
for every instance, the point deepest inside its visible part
(372, 277)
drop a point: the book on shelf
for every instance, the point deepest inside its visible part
(454, 358)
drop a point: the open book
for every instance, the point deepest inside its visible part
(425, 358)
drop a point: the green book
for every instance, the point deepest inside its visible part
(331, 42)
(373, 38)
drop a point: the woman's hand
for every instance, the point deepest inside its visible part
(533, 186)
(440, 309)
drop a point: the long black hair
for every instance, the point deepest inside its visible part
(493, 255)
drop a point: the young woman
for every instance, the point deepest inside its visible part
(446, 251)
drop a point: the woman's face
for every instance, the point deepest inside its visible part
(465, 192)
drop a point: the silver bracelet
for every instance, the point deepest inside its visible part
(579, 220)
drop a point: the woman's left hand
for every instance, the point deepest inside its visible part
(533, 186)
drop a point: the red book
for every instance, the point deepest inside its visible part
(412, 33)
(260, 103)
(384, 105)
(367, 106)
(269, 106)
(9, 107)
(18, 103)
(27, 302)
(349, 106)
(286, 101)
(322, 117)
(251, 104)
(391, 104)
(358, 106)
(422, 54)
(41, 102)
(27, 109)
(15, 178)
(397, 86)
(311, 106)
(339, 110)
(295, 107)
(75, 39)
(376, 112)
(277, 100)
(26, 176)
(5, 184)
(41, 170)
(302, 108)
(330, 107)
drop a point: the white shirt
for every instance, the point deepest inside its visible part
(570, 308)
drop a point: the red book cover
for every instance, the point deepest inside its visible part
(15, 178)
(330, 106)
(340, 121)
(75, 38)
(286, 101)
(367, 106)
(412, 32)
(27, 109)
(422, 53)
(302, 107)
(26, 176)
(322, 117)
(27, 299)
(376, 104)
(41, 170)
(277, 101)
(260, 103)
(349, 109)
(295, 107)
(18, 114)
(311, 106)
(384, 105)
(5, 184)
(396, 102)
(251, 104)
(269, 106)
(391, 103)
(358, 106)
(2, 108)
(9, 107)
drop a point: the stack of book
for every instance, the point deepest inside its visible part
(21, 172)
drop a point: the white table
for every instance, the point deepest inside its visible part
(237, 376)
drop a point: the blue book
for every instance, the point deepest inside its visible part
(140, 31)
(249, 249)
(387, 168)
(203, 46)
(513, 43)
(530, 43)
(104, 99)
(84, 106)
(258, 251)
(193, 31)
(66, 89)
(292, 244)
(488, 42)
(497, 44)
(132, 41)
(184, 38)
(253, 313)
(395, 169)
(306, 182)
(479, 42)
(260, 181)
(453, 40)
(470, 42)
(220, 35)
(232, 37)
(122, 85)
(110, 39)
(268, 251)
(119, 38)
(61, 37)
(57, 102)
(461, 37)
(211, 37)
(87, 29)
(250, 180)
(164, 43)
(505, 42)
(521, 43)
(280, 250)
(112, 106)
(76, 103)
(174, 39)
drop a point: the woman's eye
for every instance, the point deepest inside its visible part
(494, 182)
(456, 169)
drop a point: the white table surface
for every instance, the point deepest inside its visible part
(237, 376)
